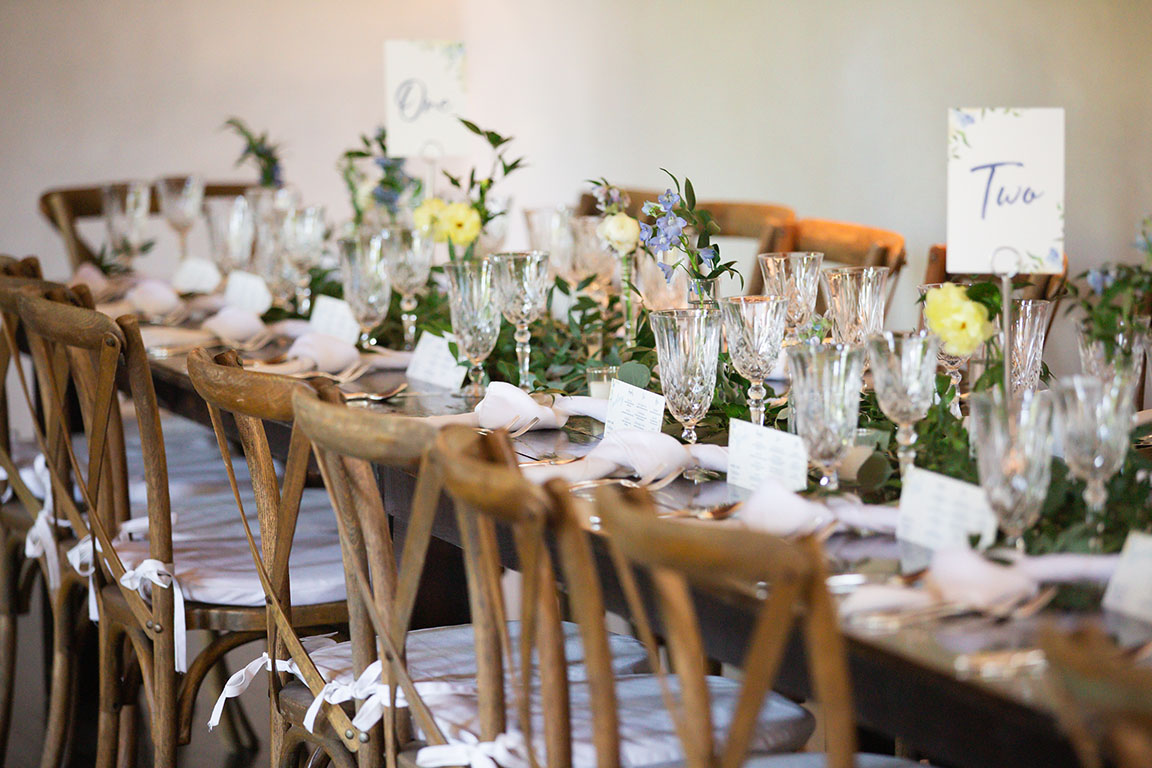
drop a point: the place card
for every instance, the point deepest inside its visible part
(425, 89)
(433, 363)
(941, 512)
(1130, 589)
(631, 407)
(335, 318)
(247, 291)
(196, 276)
(1005, 190)
(756, 453)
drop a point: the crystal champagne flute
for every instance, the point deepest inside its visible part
(856, 300)
(797, 277)
(181, 199)
(126, 208)
(231, 230)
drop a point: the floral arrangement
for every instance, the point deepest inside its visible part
(677, 221)
(619, 230)
(386, 192)
(461, 223)
(961, 316)
(260, 151)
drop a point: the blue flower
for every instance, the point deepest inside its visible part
(671, 226)
(388, 164)
(669, 200)
(651, 209)
(667, 269)
(964, 118)
(707, 256)
(613, 195)
(1098, 280)
(645, 233)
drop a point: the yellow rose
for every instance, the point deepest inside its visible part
(620, 231)
(426, 215)
(961, 324)
(460, 223)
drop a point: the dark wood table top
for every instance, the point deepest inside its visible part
(912, 683)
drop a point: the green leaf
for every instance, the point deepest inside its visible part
(634, 373)
(472, 127)
(689, 194)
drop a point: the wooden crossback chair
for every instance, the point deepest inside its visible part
(139, 638)
(558, 719)
(755, 221)
(63, 206)
(1104, 697)
(852, 245)
(251, 398)
(678, 557)
(25, 517)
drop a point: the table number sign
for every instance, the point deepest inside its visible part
(424, 82)
(433, 363)
(631, 407)
(756, 453)
(941, 512)
(335, 318)
(1130, 588)
(1005, 190)
(247, 291)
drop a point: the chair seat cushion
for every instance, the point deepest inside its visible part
(819, 760)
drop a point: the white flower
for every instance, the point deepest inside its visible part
(620, 231)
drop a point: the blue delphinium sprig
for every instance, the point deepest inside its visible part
(394, 182)
(259, 150)
(678, 225)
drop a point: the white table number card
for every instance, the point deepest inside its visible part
(1130, 588)
(247, 291)
(755, 453)
(433, 363)
(941, 512)
(424, 83)
(1005, 190)
(630, 407)
(335, 318)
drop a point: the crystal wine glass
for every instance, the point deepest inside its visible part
(856, 299)
(1014, 438)
(231, 230)
(550, 229)
(754, 328)
(366, 287)
(522, 289)
(126, 208)
(1103, 358)
(408, 259)
(303, 239)
(475, 314)
(1097, 416)
(181, 198)
(592, 258)
(825, 402)
(687, 349)
(903, 369)
(1029, 330)
(797, 277)
(268, 215)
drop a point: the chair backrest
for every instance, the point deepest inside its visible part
(678, 557)
(853, 245)
(347, 442)
(79, 346)
(1104, 697)
(494, 503)
(756, 221)
(63, 206)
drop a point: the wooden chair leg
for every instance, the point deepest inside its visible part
(108, 724)
(235, 727)
(9, 586)
(128, 742)
(164, 720)
(60, 690)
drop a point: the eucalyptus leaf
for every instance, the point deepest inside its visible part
(634, 373)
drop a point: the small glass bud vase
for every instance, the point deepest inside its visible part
(704, 292)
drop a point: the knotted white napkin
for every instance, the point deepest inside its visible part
(644, 454)
(321, 352)
(504, 402)
(196, 276)
(89, 274)
(151, 573)
(152, 298)
(775, 509)
(234, 324)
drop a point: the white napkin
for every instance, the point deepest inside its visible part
(504, 402)
(644, 454)
(196, 276)
(292, 328)
(152, 297)
(775, 509)
(234, 324)
(966, 577)
(89, 274)
(321, 352)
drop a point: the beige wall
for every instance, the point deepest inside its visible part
(836, 108)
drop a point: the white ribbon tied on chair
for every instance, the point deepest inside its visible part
(82, 558)
(41, 541)
(466, 749)
(240, 681)
(154, 572)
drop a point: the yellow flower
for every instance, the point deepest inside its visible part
(427, 214)
(961, 324)
(459, 222)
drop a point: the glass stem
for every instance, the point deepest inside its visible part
(183, 244)
(906, 450)
(365, 338)
(1095, 497)
(756, 394)
(689, 434)
(304, 298)
(408, 307)
(476, 377)
(829, 478)
(954, 375)
(523, 352)
(626, 264)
